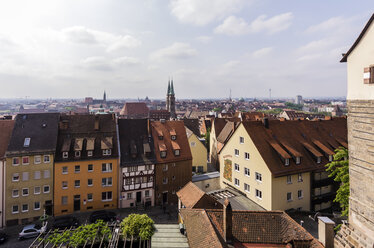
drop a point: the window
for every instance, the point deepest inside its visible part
(15, 193)
(15, 161)
(64, 200)
(106, 181)
(106, 196)
(237, 182)
(47, 159)
(36, 175)
(90, 168)
(318, 160)
(36, 205)
(90, 182)
(65, 154)
(133, 168)
(77, 154)
(25, 176)
(25, 160)
(128, 181)
(25, 191)
(173, 137)
(246, 155)
(37, 190)
(64, 184)
(163, 154)
(300, 194)
(289, 179)
(200, 169)
(237, 167)
(65, 170)
(258, 194)
(148, 167)
(241, 140)
(37, 159)
(289, 196)
(145, 179)
(89, 153)
(236, 152)
(258, 177)
(129, 195)
(177, 152)
(15, 177)
(89, 197)
(107, 167)
(46, 189)
(173, 178)
(331, 157)
(15, 209)
(246, 187)
(26, 142)
(298, 160)
(146, 193)
(300, 177)
(47, 174)
(165, 180)
(165, 167)
(193, 144)
(246, 172)
(77, 183)
(287, 162)
(77, 168)
(137, 180)
(107, 152)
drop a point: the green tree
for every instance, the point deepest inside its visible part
(339, 170)
(137, 226)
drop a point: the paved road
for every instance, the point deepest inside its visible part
(169, 216)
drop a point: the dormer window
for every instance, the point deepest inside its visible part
(176, 152)
(173, 137)
(297, 160)
(107, 152)
(26, 143)
(287, 162)
(163, 154)
(319, 160)
(65, 155)
(77, 154)
(89, 153)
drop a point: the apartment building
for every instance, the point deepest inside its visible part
(359, 232)
(29, 167)
(174, 160)
(86, 164)
(137, 166)
(280, 165)
(198, 151)
(6, 128)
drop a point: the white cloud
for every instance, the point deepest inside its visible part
(330, 24)
(126, 61)
(262, 52)
(202, 12)
(112, 42)
(316, 45)
(204, 39)
(233, 25)
(97, 63)
(231, 64)
(177, 50)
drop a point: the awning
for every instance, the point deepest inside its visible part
(107, 143)
(78, 144)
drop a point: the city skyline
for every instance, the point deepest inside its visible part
(63, 50)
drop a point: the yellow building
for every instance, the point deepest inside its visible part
(86, 166)
(199, 153)
(29, 168)
(280, 164)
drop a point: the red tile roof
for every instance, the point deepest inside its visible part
(6, 127)
(193, 197)
(135, 110)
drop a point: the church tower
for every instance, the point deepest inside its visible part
(104, 97)
(170, 99)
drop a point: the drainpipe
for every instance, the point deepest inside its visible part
(119, 202)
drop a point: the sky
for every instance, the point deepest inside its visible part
(130, 49)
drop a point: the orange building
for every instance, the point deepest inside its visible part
(86, 165)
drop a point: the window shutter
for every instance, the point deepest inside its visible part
(372, 75)
(367, 75)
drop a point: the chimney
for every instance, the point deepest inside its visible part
(326, 231)
(265, 121)
(97, 125)
(227, 221)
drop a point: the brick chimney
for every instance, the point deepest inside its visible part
(227, 221)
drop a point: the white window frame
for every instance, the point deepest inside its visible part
(129, 196)
(106, 200)
(237, 167)
(241, 140)
(17, 175)
(331, 158)
(319, 159)
(258, 177)
(75, 169)
(236, 152)
(77, 154)
(237, 182)
(289, 199)
(163, 154)
(106, 182)
(13, 195)
(64, 187)
(48, 172)
(300, 196)
(247, 172)
(49, 189)
(289, 179)
(28, 159)
(146, 193)
(298, 160)
(35, 207)
(259, 194)
(246, 156)
(88, 199)
(15, 212)
(165, 181)
(165, 167)
(177, 152)
(108, 167)
(46, 161)
(39, 158)
(19, 161)
(65, 172)
(300, 177)
(89, 153)
(65, 154)
(107, 152)
(247, 188)
(75, 186)
(28, 191)
(287, 162)
(40, 190)
(26, 142)
(90, 185)
(88, 168)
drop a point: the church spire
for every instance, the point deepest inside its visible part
(172, 87)
(168, 93)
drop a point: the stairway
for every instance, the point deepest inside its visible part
(168, 236)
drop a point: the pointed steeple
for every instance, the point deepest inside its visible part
(168, 93)
(172, 87)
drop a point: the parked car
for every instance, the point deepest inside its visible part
(65, 222)
(31, 231)
(103, 215)
(3, 237)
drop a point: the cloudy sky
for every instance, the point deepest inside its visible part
(78, 48)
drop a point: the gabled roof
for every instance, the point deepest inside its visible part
(135, 110)
(193, 197)
(345, 56)
(193, 125)
(226, 132)
(42, 130)
(6, 127)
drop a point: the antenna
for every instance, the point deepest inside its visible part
(269, 93)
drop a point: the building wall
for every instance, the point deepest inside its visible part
(255, 164)
(31, 183)
(2, 183)
(199, 153)
(96, 175)
(280, 188)
(182, 172)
